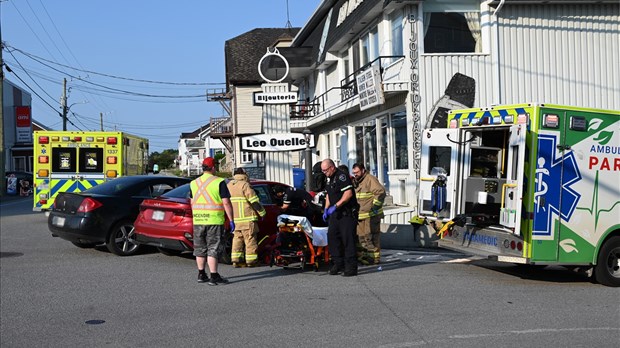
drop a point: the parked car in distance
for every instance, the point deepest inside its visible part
(166, 221)
(106, 213)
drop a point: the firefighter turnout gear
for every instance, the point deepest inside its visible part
(207, 206)
(370, 195)
(246, 211)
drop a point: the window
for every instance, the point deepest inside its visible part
(396, 26)
(246, 157)
(400, 145)
(439, 156)
(452, 27)
(345, 63)
(370, 46)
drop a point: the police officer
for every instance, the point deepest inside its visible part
(341, 210)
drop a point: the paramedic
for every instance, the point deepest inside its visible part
(210, 204)
(370, 195)
(341, 209)
(246, 210)
(297, 202)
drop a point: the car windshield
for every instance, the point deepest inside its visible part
(179, 192)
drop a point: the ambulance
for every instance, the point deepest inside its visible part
(67, 161)
(535, 184)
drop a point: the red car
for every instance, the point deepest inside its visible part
(166, 221)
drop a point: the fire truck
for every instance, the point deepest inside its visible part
(67, 161)
(534, 184)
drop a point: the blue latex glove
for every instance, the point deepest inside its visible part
(329, 211)
(374, 210)
(232, 227)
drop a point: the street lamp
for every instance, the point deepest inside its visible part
(308, 159)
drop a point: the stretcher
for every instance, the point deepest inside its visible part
(299, 244)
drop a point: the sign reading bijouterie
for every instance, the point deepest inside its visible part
(275, 142)
(275, 98)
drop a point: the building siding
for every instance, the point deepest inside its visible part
(562, 54)
(248, 116)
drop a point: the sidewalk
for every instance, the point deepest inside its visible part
(11, 198)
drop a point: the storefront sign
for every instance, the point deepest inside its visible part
(23, 124)
(275, 98)
(370, 88)
(275, 142)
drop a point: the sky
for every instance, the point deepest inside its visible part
(144, 64)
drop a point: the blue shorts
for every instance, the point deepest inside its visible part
(207, 239)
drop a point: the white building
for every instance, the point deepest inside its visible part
(421, 58)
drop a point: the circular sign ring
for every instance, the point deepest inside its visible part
(274, 53)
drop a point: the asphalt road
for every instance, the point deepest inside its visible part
(55, 294)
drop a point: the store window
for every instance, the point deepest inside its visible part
(396, 26)
(366, 146)
(452, 26)
(400, 144)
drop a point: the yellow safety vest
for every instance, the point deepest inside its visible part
(207, 206)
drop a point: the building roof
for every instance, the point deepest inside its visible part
(195, 133)
(243, 53)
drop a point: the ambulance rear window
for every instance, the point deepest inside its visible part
(64, 160)
(91, 160)
(439, 156)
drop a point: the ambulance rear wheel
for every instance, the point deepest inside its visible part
(122, 239)
(607, 270)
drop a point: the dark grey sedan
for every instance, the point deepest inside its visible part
(105, 214)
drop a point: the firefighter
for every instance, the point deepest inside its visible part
(370, 195)
(246, 210)
(341, 209)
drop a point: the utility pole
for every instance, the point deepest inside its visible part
(101, 120)
(63, 103)
(2, 154)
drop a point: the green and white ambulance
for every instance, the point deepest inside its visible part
(529, 184)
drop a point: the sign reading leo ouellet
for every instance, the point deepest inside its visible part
(275, 98)
(275, 142)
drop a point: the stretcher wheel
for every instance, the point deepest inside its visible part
(302, 261)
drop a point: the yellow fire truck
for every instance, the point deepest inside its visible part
(68, 161)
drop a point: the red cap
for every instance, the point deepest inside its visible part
(209, 162)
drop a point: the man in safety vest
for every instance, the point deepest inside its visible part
(370, 195)
(210, 204)
(246, 209)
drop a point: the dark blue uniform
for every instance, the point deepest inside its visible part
(341, 233)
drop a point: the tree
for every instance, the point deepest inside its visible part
(165, 160)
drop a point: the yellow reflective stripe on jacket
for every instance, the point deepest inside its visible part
(207, 206)
(363, 195)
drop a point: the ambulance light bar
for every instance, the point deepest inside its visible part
(90, 139)
(77, 138)
(509, 119)
(44, 140)
(551, 121)
(453, 123)
(522, 119)
(112, 140)
(100, 139)
(66, 138)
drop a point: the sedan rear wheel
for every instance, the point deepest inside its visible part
(122, 239)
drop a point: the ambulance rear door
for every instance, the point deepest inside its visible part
(512, 189)
(75, 169)
(438, 172)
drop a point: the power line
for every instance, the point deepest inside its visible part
(34, 57)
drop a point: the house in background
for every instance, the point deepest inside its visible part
(194, 147)
(243, 54)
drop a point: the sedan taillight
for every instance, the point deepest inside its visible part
(88, 204)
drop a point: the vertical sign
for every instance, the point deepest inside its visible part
(23, 124)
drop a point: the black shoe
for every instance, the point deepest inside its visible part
(350, 273)
(203, 278)
(334, 270)
(217, 279)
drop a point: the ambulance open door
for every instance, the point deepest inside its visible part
(438, 171)
(512, 190)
